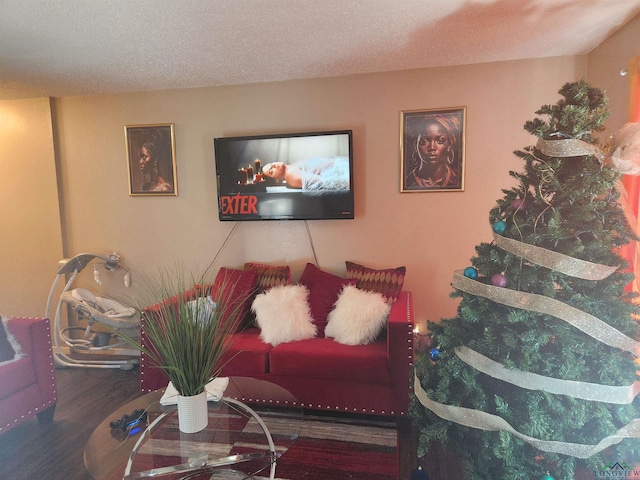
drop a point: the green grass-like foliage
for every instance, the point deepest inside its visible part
(185, 338)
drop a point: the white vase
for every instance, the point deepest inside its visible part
(193, 414)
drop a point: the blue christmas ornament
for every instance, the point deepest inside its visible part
(499, 227)
(434, 354)
(470, 272)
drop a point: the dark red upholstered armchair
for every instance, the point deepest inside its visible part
(27, 375)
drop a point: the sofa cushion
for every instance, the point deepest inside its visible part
(16, 375)
(248, 354)
(238, 288)
(282, 313)
(324, 289)
(325, 358)
(358, 318)
(387, 282)
(270, 276)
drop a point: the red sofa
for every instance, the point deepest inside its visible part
(372, 379)
(27, 377)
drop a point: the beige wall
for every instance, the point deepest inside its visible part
(30, 235)
(433, 234)
(605, 64)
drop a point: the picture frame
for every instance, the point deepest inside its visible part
(151, 159)
(432, 150)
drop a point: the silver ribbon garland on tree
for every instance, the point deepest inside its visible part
(592, 326)
(486, 421)
(624, 158)
(568, 147)
(553, 260)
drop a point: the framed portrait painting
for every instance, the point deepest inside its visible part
(151, 159)
(432, 150)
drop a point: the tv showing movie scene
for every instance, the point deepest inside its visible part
(296, 176)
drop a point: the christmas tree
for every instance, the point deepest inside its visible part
(535, 375)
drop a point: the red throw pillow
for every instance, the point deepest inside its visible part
(270, 276)
(234, 286)
(387, 282)
(324, 289)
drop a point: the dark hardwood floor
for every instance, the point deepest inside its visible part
(85, 398)
(55, 451)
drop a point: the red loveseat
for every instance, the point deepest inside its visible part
(27, 376)
(372, 379)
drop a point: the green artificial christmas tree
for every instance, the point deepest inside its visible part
(535, 375)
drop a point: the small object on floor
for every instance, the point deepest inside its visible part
(127, 421)
(419, 474)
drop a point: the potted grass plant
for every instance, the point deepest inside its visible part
(186, 333)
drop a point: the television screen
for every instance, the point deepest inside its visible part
(297, 176)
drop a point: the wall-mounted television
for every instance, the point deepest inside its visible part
(293, 176)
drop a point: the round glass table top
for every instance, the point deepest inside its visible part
(242, 439)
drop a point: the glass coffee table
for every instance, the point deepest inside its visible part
(243, 440)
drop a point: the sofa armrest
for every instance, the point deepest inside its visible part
(400, 351)
(34, 337)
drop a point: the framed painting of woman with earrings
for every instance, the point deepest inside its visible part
(151, 159)
(432, 150)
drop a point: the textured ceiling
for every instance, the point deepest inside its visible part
(78, 47)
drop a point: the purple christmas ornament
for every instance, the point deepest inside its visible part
(499, 280)
(518, 204)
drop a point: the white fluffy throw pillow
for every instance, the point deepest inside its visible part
(358, 318)
(283, 315)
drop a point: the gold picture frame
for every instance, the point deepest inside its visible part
(151, 159)
(432, 150)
